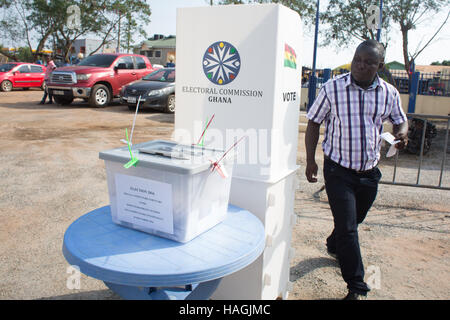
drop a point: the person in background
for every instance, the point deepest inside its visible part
(80, 57)
(50, 67)
(353, 106)
(171, 64)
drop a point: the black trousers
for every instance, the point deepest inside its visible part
(350, 195)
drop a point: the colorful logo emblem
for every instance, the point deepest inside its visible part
(221, 63)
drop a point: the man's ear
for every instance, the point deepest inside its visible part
(381, 65)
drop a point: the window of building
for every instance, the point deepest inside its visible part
(157, 54)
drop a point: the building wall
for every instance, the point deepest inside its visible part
(90, 45)
(163, 59)
(435, 105)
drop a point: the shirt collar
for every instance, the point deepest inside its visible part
(375, 83)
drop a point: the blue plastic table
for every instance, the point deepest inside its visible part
(137, 265)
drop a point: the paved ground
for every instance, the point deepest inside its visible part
(50, 174)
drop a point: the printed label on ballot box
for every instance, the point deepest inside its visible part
(143, 202)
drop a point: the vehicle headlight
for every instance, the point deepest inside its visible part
(158, 92)
(83, 76)
(154, 93)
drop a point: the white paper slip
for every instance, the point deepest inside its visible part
(391, 139)
(392, 151)
(387, 136)
(145, 203)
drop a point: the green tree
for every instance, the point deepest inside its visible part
(409, 15)
(15, 25)
(345, 21)
(94, 20)
(443, 63)
(132, 17)
(47, 21)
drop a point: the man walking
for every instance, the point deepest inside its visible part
(50, 67)
(353, 106)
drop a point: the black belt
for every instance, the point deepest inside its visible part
(351, 170)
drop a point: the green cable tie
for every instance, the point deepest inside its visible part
(134, 160)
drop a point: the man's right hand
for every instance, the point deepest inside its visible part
(311, 172)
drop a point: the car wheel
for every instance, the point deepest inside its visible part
(100, 96)
(132, 107)
(170, 107)
(6, 86)
(63, 100)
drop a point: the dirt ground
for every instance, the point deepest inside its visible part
(50, 174)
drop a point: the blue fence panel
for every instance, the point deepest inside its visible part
(435, 84)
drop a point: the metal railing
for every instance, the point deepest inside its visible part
(423, 135)
(430, 83)
(433, 84)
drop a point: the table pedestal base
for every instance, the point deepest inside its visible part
(200, 291)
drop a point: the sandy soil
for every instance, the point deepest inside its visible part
(50, 174)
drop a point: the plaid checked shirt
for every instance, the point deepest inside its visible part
(353, 119)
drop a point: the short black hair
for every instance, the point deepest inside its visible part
(375, 45)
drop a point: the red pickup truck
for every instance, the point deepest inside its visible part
(97, 79)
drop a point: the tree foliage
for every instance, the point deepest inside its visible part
(27, 22)
(409, 15)
(346, 22)
(443, 63)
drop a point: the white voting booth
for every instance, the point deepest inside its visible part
(239, 69)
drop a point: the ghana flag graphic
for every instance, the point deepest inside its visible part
(290, 58)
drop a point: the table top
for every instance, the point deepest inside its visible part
(113, 253)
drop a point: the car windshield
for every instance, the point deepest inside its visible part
(162, 75)
(7, 67)
(98, 60)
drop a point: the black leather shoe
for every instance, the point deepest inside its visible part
(354, 296)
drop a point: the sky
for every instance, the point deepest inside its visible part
(163, 21)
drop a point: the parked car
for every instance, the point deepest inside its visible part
(157, 90)
(21, 75)
(98, 78)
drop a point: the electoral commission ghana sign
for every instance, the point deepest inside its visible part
(221, 65)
